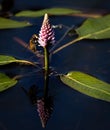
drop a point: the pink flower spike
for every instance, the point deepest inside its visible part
(46, 34)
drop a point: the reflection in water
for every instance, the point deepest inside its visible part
(44, 106)
(2, 126)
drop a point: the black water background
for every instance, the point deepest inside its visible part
(72, 110)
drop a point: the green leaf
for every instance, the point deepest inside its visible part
(4, 60)
(52, 11)
(87, 84)
(8, 23)
(92, 28)
(95, 28)
(6, 82)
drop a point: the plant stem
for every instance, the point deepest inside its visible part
(46, 69)
(67, 44)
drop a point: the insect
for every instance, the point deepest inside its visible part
(33, 42)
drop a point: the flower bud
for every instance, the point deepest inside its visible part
(46, 34)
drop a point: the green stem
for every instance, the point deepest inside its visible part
(46, 73)
(68, 44)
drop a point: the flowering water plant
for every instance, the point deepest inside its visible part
(79, 81)
(46, 39)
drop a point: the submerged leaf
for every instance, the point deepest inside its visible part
(6, 82)
(95, 28)
(52, 11)
(9, 59)
(8, 24)
(87, 84)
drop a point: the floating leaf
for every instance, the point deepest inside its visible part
(95, 28)
(52, 11)
(92, 28)
(9, 59)
(8, 23)
(87, 84)
(6, 82)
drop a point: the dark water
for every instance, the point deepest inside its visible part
(72, 110)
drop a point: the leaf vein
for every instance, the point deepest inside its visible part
(89, 86)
